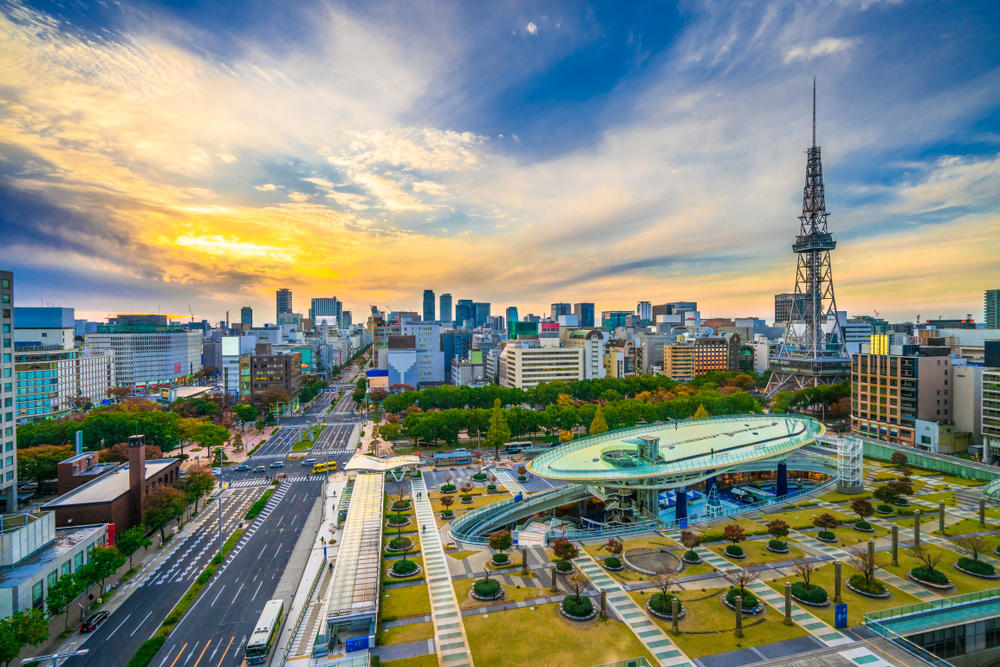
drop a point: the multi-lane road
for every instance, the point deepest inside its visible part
(215, 629)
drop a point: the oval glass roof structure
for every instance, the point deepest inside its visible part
(676, 448)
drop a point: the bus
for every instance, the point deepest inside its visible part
(324, 467)
(265, 632)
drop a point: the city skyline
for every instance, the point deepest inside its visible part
(158, 158)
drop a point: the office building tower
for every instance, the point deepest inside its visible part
(8, 462)
(346, 319)
(271, 372)
(246, 316)
(784, 304)
(644, 309)
(146, 354)
(991, 412)
(428, 349)
(325, 310)
(511, 316)
(614, 319)
(429, 305)
(283, 302)
(445, 307)
(454, 345)
(480, 313)
(525, 367)
(812, 351)
(991, 308)
(558, 310)
(585, 313)
(464, 313)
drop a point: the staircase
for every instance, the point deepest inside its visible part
(532, 535)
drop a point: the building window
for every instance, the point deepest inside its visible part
(77, 561)
(36, 595)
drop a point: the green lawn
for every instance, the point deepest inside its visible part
(848, 536)
(429, 660)
(756, 552)
(708, 626)
(965, 526)
(405, 601)
(406, 633)
(964, 583)
(511, 593)
(947, 496)
(837, 496)
(750, 527)
(951, 480)
(857, 605)
(803, 518)
(927, 523)
(544, 638)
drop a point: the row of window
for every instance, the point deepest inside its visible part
(69, 567)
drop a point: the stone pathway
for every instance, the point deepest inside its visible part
(449, 632)
(648, 632)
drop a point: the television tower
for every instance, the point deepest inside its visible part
(812, 351)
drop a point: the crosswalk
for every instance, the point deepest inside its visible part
(266, 512)
(250, 483)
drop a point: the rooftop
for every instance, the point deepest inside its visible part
(684, 447)
(43, 559)
(355, 583)
(106, 487)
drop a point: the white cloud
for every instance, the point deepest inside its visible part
(531, 28)
(266, 187)
(824, 47)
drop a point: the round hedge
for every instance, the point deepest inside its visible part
(691, 556)
(749, 599)
(778, 545)
(930, 576)
(734, 550)
(564, 565)
(486, 587)
(827, 535)
(479, 476)
(522, 478)
(976, 566)
(662, 604)
(447, 512)
(501, 559)
(814, 594)
(613, 562)
(577, 606)
(447, 488)
(491, 487)
(863, 525)
(858, 581)
(884, 509)
(403, 567)
(400, 543)
(401, 505)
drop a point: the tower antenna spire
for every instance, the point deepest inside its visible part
(814, 111)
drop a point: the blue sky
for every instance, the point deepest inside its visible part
(520, 153)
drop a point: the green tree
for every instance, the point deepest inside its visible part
(390, 431)
(22, 628)
(245, 413)
(701, 412)
(40, 463)
(498, 433)
(599, 424)
(61, 594)
(131, 540)
(106, 560)
(162, 506)
(198, 483)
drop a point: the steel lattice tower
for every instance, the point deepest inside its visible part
(812, 351)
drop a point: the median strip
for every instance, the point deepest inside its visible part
(259, 505)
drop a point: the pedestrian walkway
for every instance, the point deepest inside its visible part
(631, 614)
(449, 631)
(508, 481)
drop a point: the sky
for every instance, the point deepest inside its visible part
(161, 157)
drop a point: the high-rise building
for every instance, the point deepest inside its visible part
(455, 345)
(644, 309)
(326, 309)
(429, 305)
(464, 313)
(991, 413)
(525, 367)
(613, 319)
(991, 308)
(784, 305)
(585, 313)
(445, 307)
(8, 462)
(812, 351)
(346, 319)
(480, 313)
(511, 316)
(283, 302)
(270, 372)
(246, 316)
(147, 354)
(558, 310)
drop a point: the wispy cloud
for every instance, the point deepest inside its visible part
(824, 47)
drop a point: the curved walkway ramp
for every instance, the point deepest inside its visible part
(449, 631)
(474, 527)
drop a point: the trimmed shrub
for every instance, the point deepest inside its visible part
(613, 562)
(447, 488)
(501, 559)
(826, 535)
(403, 567)
(400, 543)
(479, 476)
(930, 576)
(447, 513)
(564, 565)
(749, 599)
(815, 594)
(401, 505)
(486, 587)
(884, 509)
(491, 487)
(579, 607)
(862, 525)
(734, 550)
(778, 545)
(858, 581)
(692, 556)
(522, 478)
(662, 604)
(976, 566)
(146, 652)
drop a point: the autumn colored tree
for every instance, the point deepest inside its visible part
(162, 506)
(598, 424)
(40, 463)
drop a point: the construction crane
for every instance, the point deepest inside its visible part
(191, 311)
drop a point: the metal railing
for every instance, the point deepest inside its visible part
(905, 644)
(933, 605)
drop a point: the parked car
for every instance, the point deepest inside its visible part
(278, 464)
(259, 469)
(241, 467)
(94, 620)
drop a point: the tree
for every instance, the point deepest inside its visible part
(899, 458)
(245, 413)
(500, 542)
(779, 529)
(40, 463)
(106, 561)
(22, 628)
(663, 582)
(886, 494)
(131, 540)
(863, 508)
(197, 484)
(447, 502)
(81, 403)
(972, 545)
(599, 424)
(901, 487)
(615, 546)
(390, 432)
(734, 533)
(701, 412)
(577, 583)
(565, 436)
(864, 562)
(741, 577)
(805, 568)
(162, 506)
(564, 549)
(61, 594)
(119, 452)
(238, 443)
(826, 521)
(930, 559)
(498, 433)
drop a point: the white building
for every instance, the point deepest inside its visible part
(967, 400)
(592, 342)
(526, 367)
(427, 343)
(991, 413)
(147, 354)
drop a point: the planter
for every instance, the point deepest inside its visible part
(466, 501)
(402, 508)
(447, 517)
(739, 556)
(777, 546)
(591, 615)
(812, 604)
(936, 587)
(501, 562)
(569, 571)
(861, 529)
(828, 541)
(393, 524)
(404, 576)
(621, 565)
(884, 512)
(995, 575)
(866, 594)
(388, 547)
(487, 598)
(747, 611)
(776, 551)
(522, 478)
(668, 617)
(691, 562)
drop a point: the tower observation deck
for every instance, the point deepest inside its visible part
(812, 351)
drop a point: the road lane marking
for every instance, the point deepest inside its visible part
(226, 651)
(238, 592)
(262, 583)
(217, 595)
(181, 652)
(119, 626)
(201, 654)
(148, 614)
